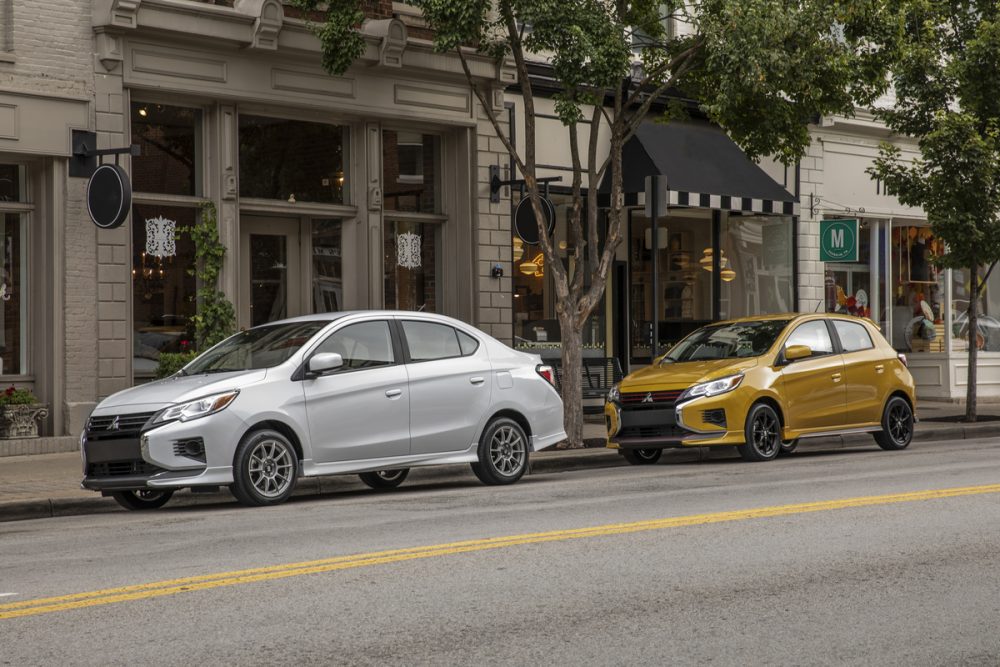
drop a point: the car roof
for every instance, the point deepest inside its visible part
(334, 316)
(795, 316)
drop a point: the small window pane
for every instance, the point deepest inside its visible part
(169, 139)
(427, 341)
(853, 337)
(467, 343)
(362, 345)
(410, 167)
(12, 183)
(14, 305)
(815, 335)
(411, 266)
(291, 160)
(328, 282)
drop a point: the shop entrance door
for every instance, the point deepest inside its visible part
(270, 270)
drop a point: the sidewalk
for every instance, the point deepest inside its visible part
(46, 485)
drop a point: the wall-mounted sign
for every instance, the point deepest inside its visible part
(839, 240)
(524, 219)
(109, 196)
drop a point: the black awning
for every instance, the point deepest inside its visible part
(704, 168)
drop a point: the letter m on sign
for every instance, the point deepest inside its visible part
(838, 240)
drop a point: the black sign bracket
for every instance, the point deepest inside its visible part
(85, 156)
(496, 183)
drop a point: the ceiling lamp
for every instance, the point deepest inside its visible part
(518, 248)
(728, 275)
(528, 268)
(706, 259)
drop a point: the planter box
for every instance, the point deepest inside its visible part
(21, 421)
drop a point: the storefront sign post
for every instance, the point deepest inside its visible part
(839, 240)
(656, 204)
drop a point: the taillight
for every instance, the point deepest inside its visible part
(902, 357)
(547, 373)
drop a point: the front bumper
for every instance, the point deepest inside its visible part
(163, 457)
(695, 423)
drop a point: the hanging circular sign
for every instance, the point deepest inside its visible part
(109, 196)
(524, 219)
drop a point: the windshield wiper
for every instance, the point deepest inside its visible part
(209, 371)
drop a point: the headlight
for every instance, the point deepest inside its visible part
(614, 396)
(196, 409)
(713, 388)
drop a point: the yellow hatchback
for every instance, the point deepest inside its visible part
(761, 384)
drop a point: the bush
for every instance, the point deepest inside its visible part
(171, 362)
(14, 396)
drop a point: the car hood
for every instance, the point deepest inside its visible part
(177, 389)
(683, 375)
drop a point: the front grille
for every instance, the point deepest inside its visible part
(108, 427)
(658, 398)
(122, 468)
(662, 431)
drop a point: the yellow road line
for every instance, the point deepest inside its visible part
(217, 580)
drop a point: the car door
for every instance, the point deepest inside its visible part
(813, 388)
(362, 410)
(864, 373)
(450, 386)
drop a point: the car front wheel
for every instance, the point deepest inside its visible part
(142, 499)
(264, 469)
(384, 479)
(642, 457)
(503, 453)
(762, 434)
(897, 425)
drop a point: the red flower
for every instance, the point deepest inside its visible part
(10, 390)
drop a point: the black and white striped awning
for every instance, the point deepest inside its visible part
(698, 165)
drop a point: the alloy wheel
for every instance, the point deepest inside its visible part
(507, 450)
(765, 433)
(271, 468)
(900, 423)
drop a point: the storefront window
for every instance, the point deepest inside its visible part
(535, 322)
(169, 139)
(12, 183)
(988, 311)
(328, 281)
(163, 288)
(411, 264)
(13, 305)
(684, 289)
(411, 171)
(292, 160)
(918, 290)
(755, 266)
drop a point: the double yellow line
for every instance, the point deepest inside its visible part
(204, 582)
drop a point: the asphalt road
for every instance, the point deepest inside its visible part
(620, 565)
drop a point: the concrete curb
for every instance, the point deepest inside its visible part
(556, 461)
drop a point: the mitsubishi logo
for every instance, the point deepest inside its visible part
(648, 397)
(114, 425)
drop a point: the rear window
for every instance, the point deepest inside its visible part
(853, 336)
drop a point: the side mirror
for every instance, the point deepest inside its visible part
(324, 362)
(794, 352)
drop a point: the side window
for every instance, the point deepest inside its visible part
(815, 335)
(468, 344)
(853, 336)
(429, 340)
(362, 345)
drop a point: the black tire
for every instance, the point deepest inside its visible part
(384, 479)
(788, 447)
(642, 457)
(265, 469)
(762, 434)
(142, 499)
(503, 453)
(897, 425)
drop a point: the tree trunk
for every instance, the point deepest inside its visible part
(970, 386)
(572, 384)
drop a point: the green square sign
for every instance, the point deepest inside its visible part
(839, 240)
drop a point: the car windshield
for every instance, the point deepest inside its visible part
(727, 341)
(260, 347)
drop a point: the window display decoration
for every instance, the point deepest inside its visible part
(161, 237)
(408, 250)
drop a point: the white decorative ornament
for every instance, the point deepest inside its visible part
(161, 237)
(408, 250)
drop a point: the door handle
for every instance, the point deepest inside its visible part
(477, 380)
(880, 368)
(393, 393)
(836, 377)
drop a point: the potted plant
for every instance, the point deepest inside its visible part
(19, 413)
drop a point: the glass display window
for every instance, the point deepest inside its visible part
(13, 301)
(170, 144)
(756, 266)
(411, 171)
(412, 265)
(918, 289)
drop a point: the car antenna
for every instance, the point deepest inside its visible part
(818, 304)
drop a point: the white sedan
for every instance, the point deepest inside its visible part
(369, 392)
